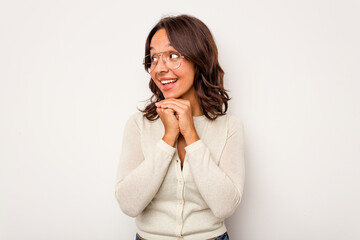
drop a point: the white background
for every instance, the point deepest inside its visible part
(71, 75)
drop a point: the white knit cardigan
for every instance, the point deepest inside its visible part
(170, 203)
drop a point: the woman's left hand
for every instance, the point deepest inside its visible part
(183, 113)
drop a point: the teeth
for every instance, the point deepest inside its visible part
(168, 81)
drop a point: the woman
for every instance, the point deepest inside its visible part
(181, 170)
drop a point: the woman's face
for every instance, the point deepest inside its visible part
(163, 76)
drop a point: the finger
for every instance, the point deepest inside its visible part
(166, 112)
(174, 101)
(178, 109)
(169, 111)
(185, 105)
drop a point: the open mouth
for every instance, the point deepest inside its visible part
(168, 81)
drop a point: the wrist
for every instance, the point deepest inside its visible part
(191, 138)
(170, 138)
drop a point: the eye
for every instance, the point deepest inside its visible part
(174, 55)
(154, 58)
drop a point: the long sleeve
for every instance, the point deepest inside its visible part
(220, 185)
(138, 178)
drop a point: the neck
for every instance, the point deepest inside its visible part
(195, 108)
(195, 105)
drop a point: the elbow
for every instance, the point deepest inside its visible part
(228, 208)
(130, 212)
(224, 213)
(126, 205)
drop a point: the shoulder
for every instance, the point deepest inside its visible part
(135, 117)
(228, 119)
(134, 121)
(234, 124)
(139, 121)
(228, 122)
(234, 120)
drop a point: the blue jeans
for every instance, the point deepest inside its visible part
(225, 236)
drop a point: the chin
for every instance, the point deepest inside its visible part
(171, 96)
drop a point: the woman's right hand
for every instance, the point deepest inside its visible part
(171, 125)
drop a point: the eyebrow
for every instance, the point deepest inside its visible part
(167, 45)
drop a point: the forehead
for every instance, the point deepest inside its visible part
(160, 41)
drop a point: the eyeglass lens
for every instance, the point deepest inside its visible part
(171, 59)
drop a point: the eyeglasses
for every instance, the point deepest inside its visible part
(171, 59)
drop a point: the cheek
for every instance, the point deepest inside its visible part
(189, 77)
(155, 82)
(152, 77)
(188, 72)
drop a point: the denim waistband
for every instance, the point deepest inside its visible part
(225, 236)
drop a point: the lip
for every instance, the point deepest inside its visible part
(166, 78)
(168, 86)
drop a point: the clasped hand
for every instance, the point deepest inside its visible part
(177, 119)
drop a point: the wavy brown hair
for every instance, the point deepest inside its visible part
(193, 39)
